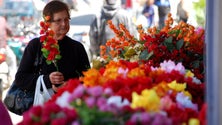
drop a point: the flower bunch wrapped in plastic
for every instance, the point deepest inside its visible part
(179, 43)
(127, 93)
(50, 47)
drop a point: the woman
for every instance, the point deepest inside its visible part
(73, 60)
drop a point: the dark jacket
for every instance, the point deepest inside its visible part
(100, 32)
(74, 60)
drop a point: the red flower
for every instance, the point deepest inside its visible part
(50, 48)
(203, 115)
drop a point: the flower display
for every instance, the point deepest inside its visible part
(179, 43)
(154, 80)
(128, 93)
(50, 47)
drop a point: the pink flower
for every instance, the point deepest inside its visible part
(95, 91)
(78, 92)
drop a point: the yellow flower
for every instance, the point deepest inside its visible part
(148, 100)
(177, 86)
(194, 121)
(187, 93)
(136, 72)
(189, 74)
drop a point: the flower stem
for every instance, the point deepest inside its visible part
(55, 63)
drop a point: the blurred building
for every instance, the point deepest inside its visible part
(20, 10)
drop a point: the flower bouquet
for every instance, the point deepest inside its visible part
(50, 47)
(150, 81)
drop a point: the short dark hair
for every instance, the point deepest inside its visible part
(53, 7)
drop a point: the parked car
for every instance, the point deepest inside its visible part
(79, 30)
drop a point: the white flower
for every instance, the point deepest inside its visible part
(118, 101)
(62, 101)
(185, 101)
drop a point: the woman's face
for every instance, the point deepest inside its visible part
(60, 24)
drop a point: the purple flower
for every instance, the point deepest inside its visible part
(135, 118)
(141, 118)
(104, 108)
(160, 119)
(108, 91)
(95, 91)
(145, 118)
(75, 123)
(78, 92)
(90, 102)
(101, 101)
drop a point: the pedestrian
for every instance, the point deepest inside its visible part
(184, 9)
(11, 61)
(100, 31)
(74, 59)
(150, 11)
(164, 10)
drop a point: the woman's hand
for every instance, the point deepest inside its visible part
(56, 78)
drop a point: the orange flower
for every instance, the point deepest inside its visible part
(92, 77)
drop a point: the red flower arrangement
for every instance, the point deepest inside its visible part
(179, 43)
(50, 47)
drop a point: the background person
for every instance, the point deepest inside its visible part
(164, 10)
(99, 30)
(185, 12)
(150, 12)
(74, 58)
(5, 33)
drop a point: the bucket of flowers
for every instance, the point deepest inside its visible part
(150, 81)
(179, 43)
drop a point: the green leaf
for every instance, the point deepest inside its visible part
(145, 55)
(177, 32)
(196, 64)
(48, 62)
(58, 57)
(179, 44)
(169, 43)
(45, 52)
(130, 52)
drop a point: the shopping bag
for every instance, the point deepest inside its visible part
(42, 94)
